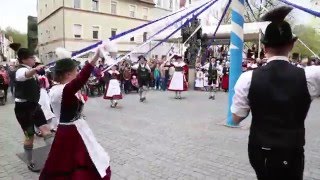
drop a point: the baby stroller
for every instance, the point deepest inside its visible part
(134, 84)
(2, 92)
(92, 86)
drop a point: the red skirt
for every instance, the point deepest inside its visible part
(225, 82)
(69, 159)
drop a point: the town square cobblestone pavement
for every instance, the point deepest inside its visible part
(163, 138)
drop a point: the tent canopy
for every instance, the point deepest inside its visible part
(251, 32)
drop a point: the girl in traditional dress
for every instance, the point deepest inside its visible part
(199, 84)
(178, 82)
(75, 152)
(113, 91)
(45, 103)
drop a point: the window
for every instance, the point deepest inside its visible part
(95, 32)
(114, 7)
(159, 3)
(77, 30)
(170, 4)
(145, 13)
(177, 4)
(132, 9)
(95, 5)
(145, 36)
(113, 32)
(77, 4)
(132, 39)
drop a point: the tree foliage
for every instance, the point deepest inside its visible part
(310, 37)
(17, 36)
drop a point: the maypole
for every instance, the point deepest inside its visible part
(236, 48)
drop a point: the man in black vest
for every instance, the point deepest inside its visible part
(143, 72)
(279, 96)
(212, 69)
(28, 111)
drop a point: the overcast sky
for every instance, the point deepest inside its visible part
(14, 13)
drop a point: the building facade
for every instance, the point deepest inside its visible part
(6, 53)
(75, 24)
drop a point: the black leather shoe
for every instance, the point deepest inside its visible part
(33, 168)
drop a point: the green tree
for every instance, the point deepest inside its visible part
(17, 36)
(310, 37)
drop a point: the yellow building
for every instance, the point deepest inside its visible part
(75, 24)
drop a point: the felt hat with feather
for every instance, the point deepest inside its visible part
(278, 32)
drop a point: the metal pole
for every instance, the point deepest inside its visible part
(259, 48)
(236, 48)
(308, 48)
(64, 28)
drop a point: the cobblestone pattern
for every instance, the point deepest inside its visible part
(163, 138)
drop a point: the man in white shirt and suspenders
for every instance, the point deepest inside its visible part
(27, 109)
(279, 95)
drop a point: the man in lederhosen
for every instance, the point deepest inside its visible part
(279, 96)
(211, 67)
(143, 72)
(27, 109)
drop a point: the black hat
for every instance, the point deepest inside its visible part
(64, 65)
(278, 32)
(177, 56)
(24, 53)
(141, 57)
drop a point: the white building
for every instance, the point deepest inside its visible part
(6, 53)
(75, 24)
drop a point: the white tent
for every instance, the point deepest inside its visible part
(251, 32)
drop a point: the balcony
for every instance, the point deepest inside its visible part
(147, 1)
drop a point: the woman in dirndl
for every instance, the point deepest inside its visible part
(75, 153)
(225, 78)
(113, 91)
(178, 82)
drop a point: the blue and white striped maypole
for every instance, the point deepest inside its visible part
(236, 48)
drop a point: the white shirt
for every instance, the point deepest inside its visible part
(136, 66)
(206, 66)
(21, 73)
(21, 76)
(240, 104)
(178, 64)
